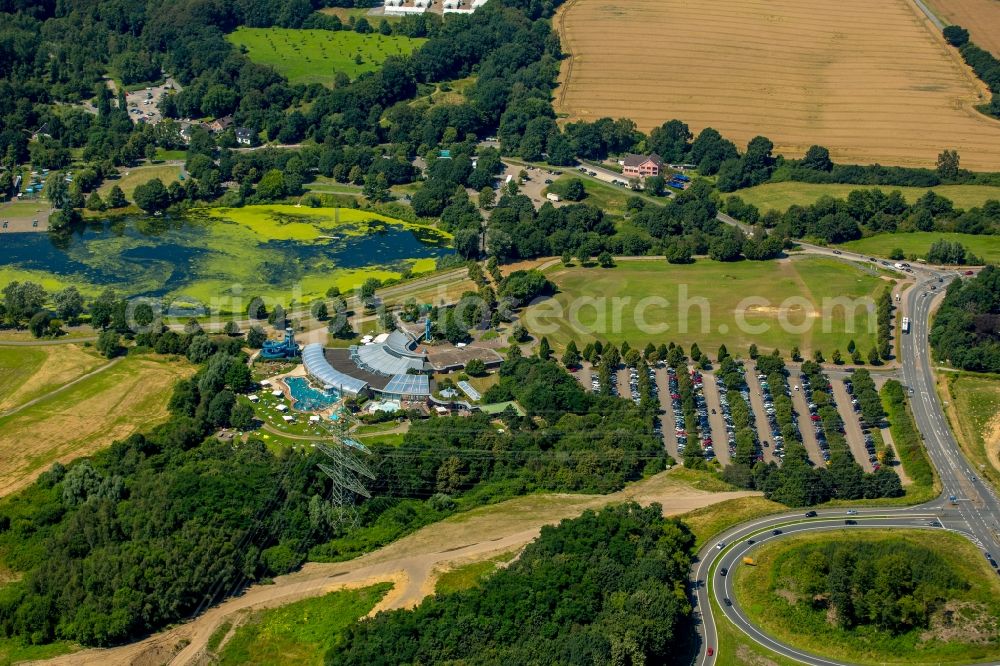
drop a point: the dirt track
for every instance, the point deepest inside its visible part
(412, 563)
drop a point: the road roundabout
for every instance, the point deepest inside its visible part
(967, 506)
(714, 592)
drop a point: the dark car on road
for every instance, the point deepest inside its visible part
(810, 514)
(727, 601)
(775, 532)
(723, 571)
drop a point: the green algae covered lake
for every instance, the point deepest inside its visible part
(211, 255)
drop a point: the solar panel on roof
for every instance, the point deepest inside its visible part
(408, 385)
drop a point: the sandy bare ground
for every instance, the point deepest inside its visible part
(872, 81)
(412, 563)
(980, 17)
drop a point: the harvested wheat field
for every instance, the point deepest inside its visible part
(872, 81)
(128, 395)
(980, 17)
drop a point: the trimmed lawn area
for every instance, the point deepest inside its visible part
(772, 592)
(919, 243)
(780, 196)
(609, 198)
(130, 396)
(29, 372)
(974, 411)
(132, 177)
(299, 633)
(25, 208)
(315, 56)
(713, 520)
(325, 185)
(771, 304)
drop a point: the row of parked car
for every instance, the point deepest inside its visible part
(727, 415)
(824, 446)
(675, 401)
(701, 409)
(869, 440)
(772, 419)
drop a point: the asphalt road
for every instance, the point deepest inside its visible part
(741, 542)
(975, 512)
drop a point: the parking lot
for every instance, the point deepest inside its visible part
(667, 418)
(142, 103)
(809, 438)
(862, 443)
(534, 186)
(723, 435)
(714, 427)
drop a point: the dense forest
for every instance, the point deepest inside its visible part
(892, 586)
(966, 330)
(604, 588)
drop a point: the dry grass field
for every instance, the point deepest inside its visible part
(980, 17)
(872, 81)
(131, 395)
(27, 373)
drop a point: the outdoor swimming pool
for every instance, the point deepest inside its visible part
(307, 399)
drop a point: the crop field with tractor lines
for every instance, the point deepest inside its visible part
(874, 82)
(980, 17)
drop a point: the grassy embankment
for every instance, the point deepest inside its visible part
(472, 574)
(963, 630)
(973, 408)
(299, 633)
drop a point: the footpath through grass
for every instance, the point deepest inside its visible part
(315, 56)
(27, 373)
(299, 633)
(786, 599)
(128, 397)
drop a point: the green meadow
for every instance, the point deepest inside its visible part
(780, 196)
(315, 56)
(650, 300)
(918, 243)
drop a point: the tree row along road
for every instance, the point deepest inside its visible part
(975, 513)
